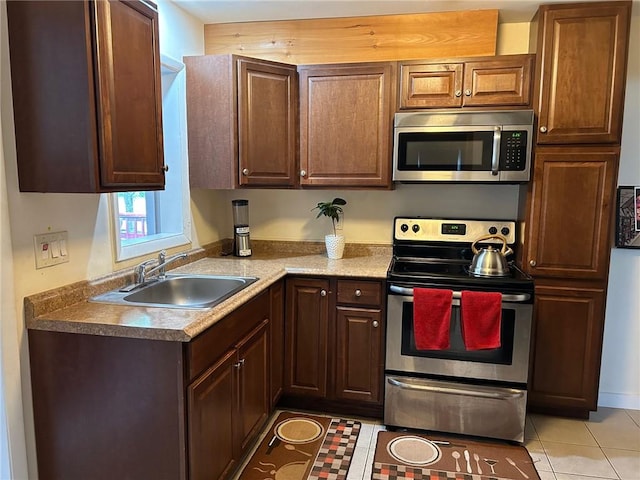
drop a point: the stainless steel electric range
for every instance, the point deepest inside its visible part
(457, 390)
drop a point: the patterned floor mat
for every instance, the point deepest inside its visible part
(304, 447)
(403, 455)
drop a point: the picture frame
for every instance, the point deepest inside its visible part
(628, 217)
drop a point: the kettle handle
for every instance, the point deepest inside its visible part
(505, 249)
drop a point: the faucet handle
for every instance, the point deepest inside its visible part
(162, 256)
(140, 270)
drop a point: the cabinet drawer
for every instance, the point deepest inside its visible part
(359, 292)
(210, 345)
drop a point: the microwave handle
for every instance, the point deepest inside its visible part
(506, 297)
(495, 158)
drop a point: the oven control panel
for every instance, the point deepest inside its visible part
(441, 230)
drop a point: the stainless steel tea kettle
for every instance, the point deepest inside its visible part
(489, 261)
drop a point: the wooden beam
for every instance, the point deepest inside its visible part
(359, 39)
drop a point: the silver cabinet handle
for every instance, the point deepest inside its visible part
(303, 173)
(533, 263)
(323, 293)
(245, 171)
(165, 168)
(375, 324)
(358, 293)
(543, 129)
(467, 92)
(458, 93)
(239, 364)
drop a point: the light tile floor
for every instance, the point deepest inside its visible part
(606, 447)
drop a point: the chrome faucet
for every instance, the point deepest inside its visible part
(141, 273)
(163, 261)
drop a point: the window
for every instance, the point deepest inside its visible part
(147, 222)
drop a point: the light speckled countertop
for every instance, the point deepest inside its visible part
(183, 325)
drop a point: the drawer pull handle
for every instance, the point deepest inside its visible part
(375, 324)
(358, 293)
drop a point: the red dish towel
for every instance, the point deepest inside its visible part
(481, 318)
(431, 318)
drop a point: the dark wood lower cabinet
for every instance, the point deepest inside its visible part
(107, 407)
(334, 339)
(212, 400)
(276, 337)
(569, 325)
(111, 407)
(359, 354)
(306, 333)
(253, 384)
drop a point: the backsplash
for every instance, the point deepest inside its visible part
(286, 214)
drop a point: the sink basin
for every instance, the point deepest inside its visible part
(180, 291)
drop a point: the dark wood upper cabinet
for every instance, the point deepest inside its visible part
(581, 72)
(569, 230)
(345, 124)
(87, 97)
(495, 81)
(242, 122)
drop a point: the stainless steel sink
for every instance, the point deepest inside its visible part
(180, 291)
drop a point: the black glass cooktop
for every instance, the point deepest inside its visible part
(453, 273)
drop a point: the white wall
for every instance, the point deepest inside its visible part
(620, 371)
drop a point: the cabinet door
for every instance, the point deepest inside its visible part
(306, 331)
(569, 323)
(129, 94)
(571, 207)
(431, 85)
(267, 124)
(345, 124)
(359, 365)
(582, 56)
(95, 124)
(276, 337)
(504, 81)
(253, 375)
(212, 412)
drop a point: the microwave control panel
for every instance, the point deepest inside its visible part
(513, 150)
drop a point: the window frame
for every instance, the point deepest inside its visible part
(162, 241)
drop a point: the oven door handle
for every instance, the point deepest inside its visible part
(504, 395)
(506, 297)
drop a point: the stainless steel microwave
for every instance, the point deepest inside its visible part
(459, 146)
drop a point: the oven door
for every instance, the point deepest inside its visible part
(509, 363)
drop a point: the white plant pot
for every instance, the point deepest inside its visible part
(335, 245)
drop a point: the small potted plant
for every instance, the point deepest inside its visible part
(334, 242)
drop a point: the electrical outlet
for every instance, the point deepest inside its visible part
(51, 249)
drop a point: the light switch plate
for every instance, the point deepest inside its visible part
(51, 248)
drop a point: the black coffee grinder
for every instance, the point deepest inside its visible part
(241, 241)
